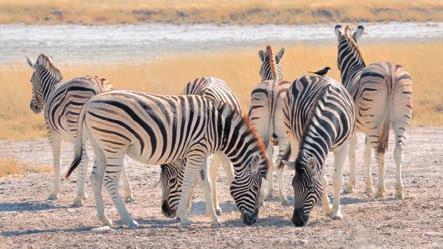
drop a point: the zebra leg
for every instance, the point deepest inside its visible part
(213, 170)
(208, 185)
(229, 170)
(327, 209)
(98, 173)
(55, 142)
(367, 156)
(193, 165)
(81, 177)
(381, 189)
(126, 186)
(270, 189)
(352, 162)
(339, 159)
(282, 149)
(398, 154)
(114, 166)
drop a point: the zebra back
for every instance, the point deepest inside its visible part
(320, 114)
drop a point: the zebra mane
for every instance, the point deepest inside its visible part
(260, 143)
(45, 62)
(348, 36)
(271, 60)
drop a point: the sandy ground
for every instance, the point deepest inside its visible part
(28, 220)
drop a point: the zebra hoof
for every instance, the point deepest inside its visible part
(105, 220)
(284, 202)
(216, 223)
(218, 211)
(52, 197)
(129, 199)
(337, 216)
(78, 202)
(380, 193)
(349, 189)
(369, 190)
(132, 224)
(399, 195)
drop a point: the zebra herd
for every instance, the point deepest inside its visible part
(306, 119)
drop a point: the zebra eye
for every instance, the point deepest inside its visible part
(255, 188)
(172, 181)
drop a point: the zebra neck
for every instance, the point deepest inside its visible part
(49, 83)
(351, 63)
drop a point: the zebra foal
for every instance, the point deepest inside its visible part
(61, 103)
(157, 129)
(319, 116)
(382, 93)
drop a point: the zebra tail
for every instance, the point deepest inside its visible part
(385, 126)
(79, 143)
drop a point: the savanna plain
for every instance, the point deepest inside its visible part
(29, 220)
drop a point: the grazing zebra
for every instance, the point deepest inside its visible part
(319, 116)
(172, 174)
(61, 103)
(156, 129)
(265, 114)
(382, 93)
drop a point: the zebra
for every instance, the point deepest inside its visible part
(319, 115)
(382, 93)
(61, 103)
(172, 174)
(157, 129)
(265, 114)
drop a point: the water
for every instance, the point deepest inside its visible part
(149, 41)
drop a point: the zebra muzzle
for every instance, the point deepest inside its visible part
(167, 211)
(299, 218)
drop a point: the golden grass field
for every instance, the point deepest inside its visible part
(238, 67)
(14, 167)
(216, 11)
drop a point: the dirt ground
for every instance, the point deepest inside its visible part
(28, 220)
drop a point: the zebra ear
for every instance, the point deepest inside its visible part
(290, 164)
(338, 30)
(255, 163)
(29, 62)
(313, 167)
(279, 55)
(261, 55)
(358, 33)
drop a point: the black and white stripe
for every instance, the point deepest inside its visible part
(265, 113)
(383, 98)
(172, 175)
(61, 103)
(319, 115)
(156, 129)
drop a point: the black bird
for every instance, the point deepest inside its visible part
(322, 72)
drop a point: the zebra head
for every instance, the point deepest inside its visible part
(307, 188)
(44, 76)
(270, 68)
(171, 179)
(246, 186)
(349, 58)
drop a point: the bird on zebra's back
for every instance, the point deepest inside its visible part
(265, 114)
(382, 93)
(172, 174)
(61, 103)
(321, 72)
(319, 116)
(161, 129)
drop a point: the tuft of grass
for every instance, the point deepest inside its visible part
(217, 11)
(239, 68)
(11, 166)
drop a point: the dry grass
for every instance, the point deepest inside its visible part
(14, 167)
(238, 67)
(216, 11)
